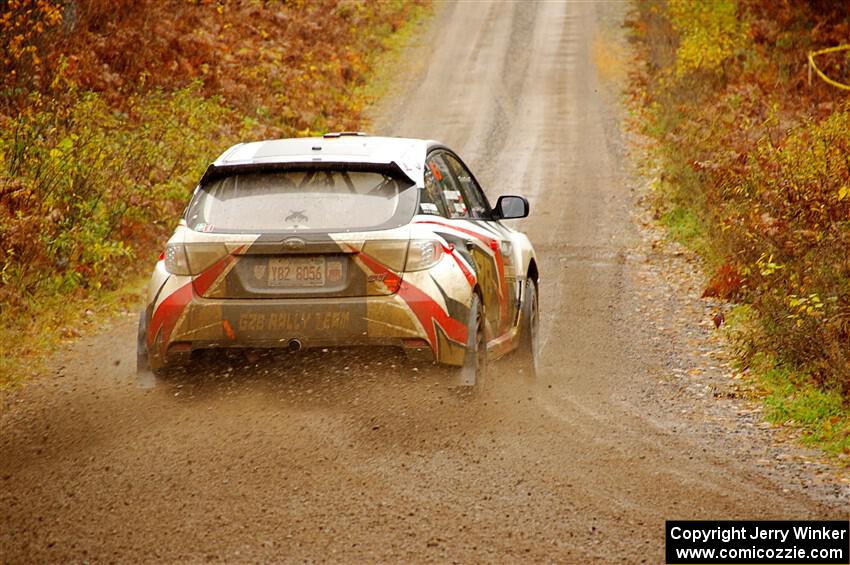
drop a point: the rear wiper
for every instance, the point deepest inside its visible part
(380, 187)
(348, 182)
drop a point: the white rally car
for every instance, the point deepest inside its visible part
(345, 240)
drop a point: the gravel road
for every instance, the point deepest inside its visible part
(359, 456)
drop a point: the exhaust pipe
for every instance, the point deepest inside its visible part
(294, 345)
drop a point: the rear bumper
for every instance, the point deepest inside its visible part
(213, 323)
(431, 307)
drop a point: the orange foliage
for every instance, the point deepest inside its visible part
(264, 58)
(23, 27)
(760, 156)
(110, 110)
(726, 283)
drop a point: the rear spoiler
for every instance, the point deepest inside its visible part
(214, 171)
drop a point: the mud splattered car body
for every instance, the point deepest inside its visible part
(337, 241)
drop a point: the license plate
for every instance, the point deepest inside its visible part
(297, 272)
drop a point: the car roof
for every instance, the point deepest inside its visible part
(406, 153)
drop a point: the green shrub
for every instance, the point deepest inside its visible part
(791, 216)
(85, 186)
(756, 178)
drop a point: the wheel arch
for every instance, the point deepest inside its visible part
(477, 290)
(532, 271)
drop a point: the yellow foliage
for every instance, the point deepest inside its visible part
(24, 21)
(709, 33)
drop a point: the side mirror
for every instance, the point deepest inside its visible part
(511, 207)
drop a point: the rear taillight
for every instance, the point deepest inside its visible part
(423, 254)
(175, 259)
(192, 258)
(389, 253)
(384, 260)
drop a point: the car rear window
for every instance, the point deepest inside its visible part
(307, 200)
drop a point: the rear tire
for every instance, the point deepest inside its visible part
(526, 356)
(473, 373)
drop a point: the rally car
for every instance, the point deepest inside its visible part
(345, 240)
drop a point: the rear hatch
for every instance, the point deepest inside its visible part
(323, 231)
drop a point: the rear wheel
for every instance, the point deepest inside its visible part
(526, 356)
(473, 373)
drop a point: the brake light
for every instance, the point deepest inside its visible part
(423, 254)
(390, 253)
(192, 258)
(384, 260)
(176, 262)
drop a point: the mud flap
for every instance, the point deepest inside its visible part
(145, 377)
(467, 375)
